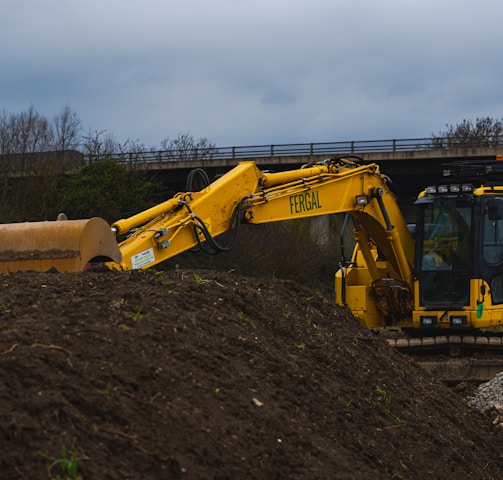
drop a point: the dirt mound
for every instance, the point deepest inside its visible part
(204, 375)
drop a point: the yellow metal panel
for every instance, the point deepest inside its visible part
(67, 246)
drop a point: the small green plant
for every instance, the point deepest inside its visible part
(64, 467)
(198, 278)
(384, 400)
(396, 476)
(301, 346)
(244, 318)
(309, 320)
(138, 316)
(345, 402)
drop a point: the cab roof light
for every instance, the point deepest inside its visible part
(452, 188)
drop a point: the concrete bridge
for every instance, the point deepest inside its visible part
(409, 163)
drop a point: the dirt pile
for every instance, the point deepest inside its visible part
(204, 375)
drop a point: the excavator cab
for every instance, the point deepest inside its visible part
(459, 253)
(444, 252)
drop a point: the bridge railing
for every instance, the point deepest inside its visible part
(323, 148)
(284, 150)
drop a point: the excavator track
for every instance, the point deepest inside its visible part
(452, 342)
(453, 358)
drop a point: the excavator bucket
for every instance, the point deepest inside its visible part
(67, 246)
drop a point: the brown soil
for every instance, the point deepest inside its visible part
(205, 375)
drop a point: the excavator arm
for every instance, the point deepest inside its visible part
(211, 217)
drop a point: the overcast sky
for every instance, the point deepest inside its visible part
(248, 72)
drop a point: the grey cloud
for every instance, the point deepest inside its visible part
(254, 71)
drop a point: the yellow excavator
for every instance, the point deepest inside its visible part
(445, 273)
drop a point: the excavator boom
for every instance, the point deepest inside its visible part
(247, 195)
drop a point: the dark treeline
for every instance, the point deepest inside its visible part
(40, 174)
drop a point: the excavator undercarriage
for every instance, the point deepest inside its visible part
(456, 357)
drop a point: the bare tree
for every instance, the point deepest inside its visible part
(67, 127)
(31, 131)
(485, 132)
(100, 144)
(6, 150)
(33, 160)
(6, 137)
(186, 147)
(24, 185)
